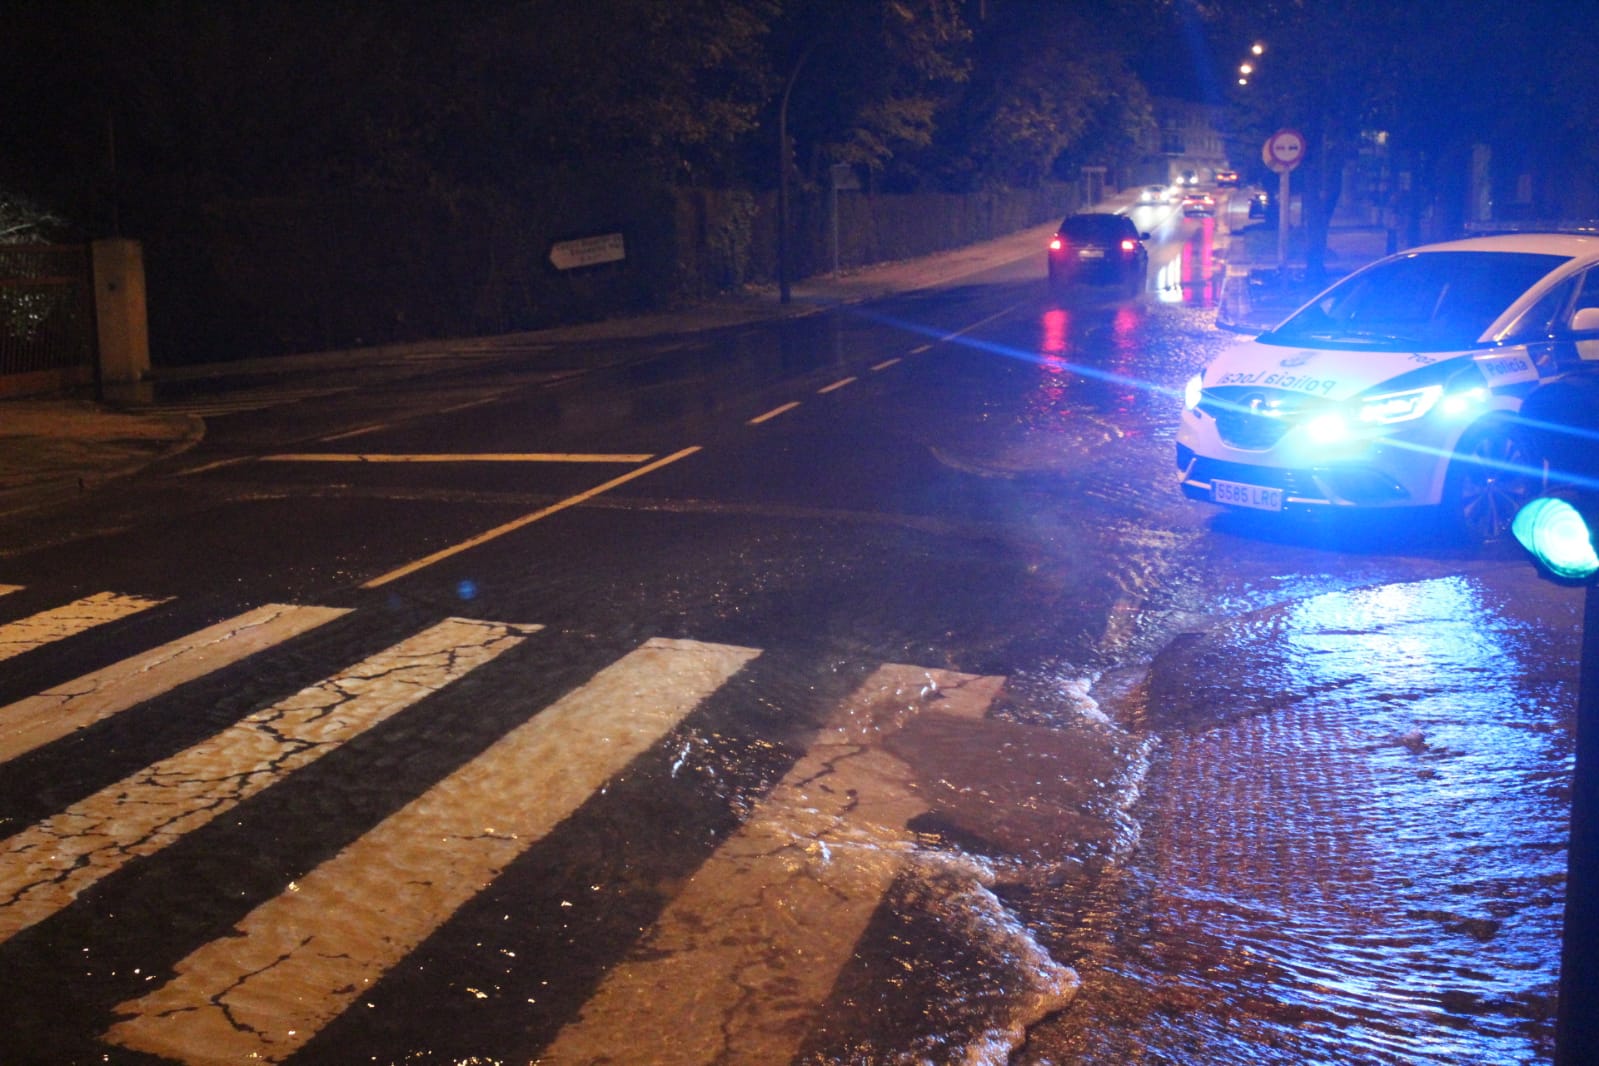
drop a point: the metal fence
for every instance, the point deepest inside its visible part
(46, 310)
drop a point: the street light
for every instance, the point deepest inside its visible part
(1559, 533)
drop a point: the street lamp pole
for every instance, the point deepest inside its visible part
(784, 163)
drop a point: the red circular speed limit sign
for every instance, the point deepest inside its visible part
(1283, 150)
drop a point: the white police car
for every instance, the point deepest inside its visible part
(1421, 380)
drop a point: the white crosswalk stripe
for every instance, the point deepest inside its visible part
(718, 984)
(745, 951)
(45, 867)
(299, 960)
(38, 630)
(51, 715)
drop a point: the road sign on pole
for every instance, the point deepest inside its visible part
(1282, 152)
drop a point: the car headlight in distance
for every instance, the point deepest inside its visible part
(1193, 391)
(1400, 406)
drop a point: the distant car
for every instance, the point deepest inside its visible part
(1199, 203)
(1153, 194)
(1263, 205)
(1226, 179)
(1187, 179)
(1098, 249)
(1458, 377)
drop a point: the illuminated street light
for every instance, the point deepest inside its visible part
(1258, 48)
(1246, 69)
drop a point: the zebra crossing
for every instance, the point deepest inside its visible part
(709, 981)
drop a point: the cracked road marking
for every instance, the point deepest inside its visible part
(46, 866)
(50, 715)
(25, 634)
(753, 944)
(296, 962)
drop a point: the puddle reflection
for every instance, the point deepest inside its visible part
(1367, 867)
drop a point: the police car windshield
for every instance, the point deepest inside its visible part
(1424, 301)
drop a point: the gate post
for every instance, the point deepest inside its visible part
(120, 314)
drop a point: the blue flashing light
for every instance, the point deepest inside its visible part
(1558, 536)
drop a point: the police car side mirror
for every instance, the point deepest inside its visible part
(1586, 320)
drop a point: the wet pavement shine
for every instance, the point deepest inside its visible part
(1260, 798)
(1354, 838)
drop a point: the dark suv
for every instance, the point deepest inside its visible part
(1098, 249)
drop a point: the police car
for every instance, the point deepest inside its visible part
(1440, 377)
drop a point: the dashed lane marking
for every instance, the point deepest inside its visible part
(773, 413)
(824, 390)
(45, 867)
(298, 961)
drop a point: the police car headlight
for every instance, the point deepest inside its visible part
(1328, 428)
(1400, 406)
(1193, 391)
(1464, 402)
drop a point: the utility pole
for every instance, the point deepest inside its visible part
(785, 162)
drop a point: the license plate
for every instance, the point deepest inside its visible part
(1090, 253)
(1259, 497)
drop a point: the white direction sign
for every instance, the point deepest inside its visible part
(588, 251)
(1284, 150)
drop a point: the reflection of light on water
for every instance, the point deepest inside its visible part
(1372, 863)
(1048, 399)
(1173, 392)
(1191, 277)
(1169, 282)
(1053, 349)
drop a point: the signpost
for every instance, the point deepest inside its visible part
(1282, 152)
(587, 251)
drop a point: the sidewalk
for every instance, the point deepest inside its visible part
(55, 447)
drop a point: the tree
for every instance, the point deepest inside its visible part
(1049, 84)
(877, 71)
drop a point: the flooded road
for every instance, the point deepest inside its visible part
(1350, 843)
(1353, 839)
(906, 713)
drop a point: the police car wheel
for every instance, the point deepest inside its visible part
(1493, 473)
